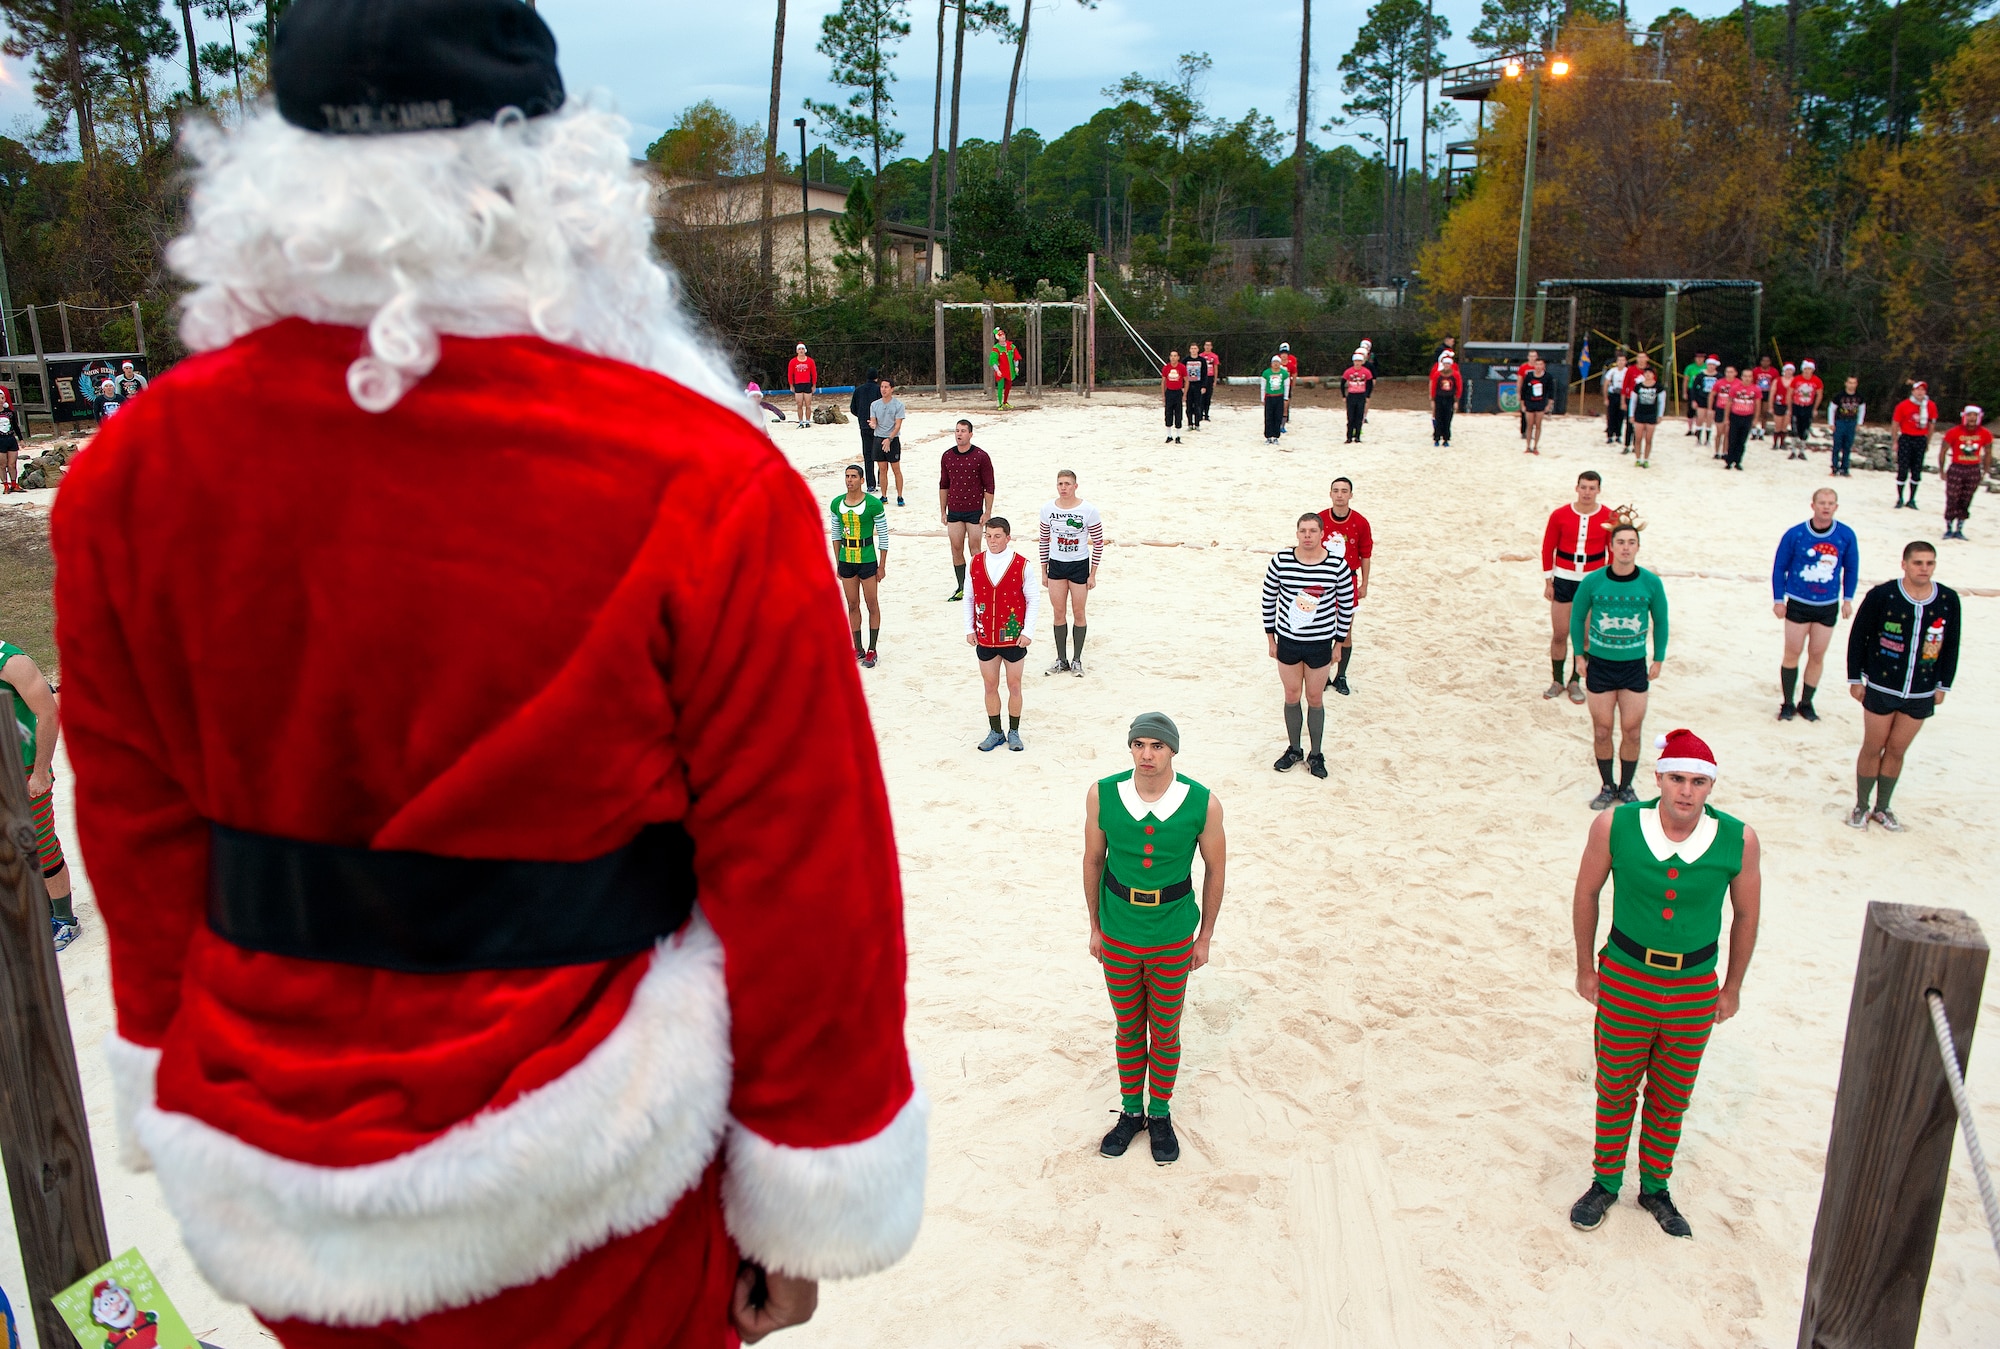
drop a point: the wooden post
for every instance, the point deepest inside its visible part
(42, 365)
(139, 330)
(1893, 1122)
(1089, 324)
(937, 339)
(986, 348)
(44, 1137)
(62, 313)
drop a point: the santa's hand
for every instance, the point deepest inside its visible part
(786, 1302)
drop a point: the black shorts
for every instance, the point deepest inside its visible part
(802, 388)
(1613, 676)
(855, 571)
(1646, 416)
(1534, 405)
(1882, 704)
(1565, 590)
(1010, 654)
(1316, 655)
(890, 452)
(1076, 573)
(1826, 615)
(962, 517)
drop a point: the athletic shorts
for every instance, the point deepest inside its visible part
(1826, 615)
(1613, 676)
(42, 812)
(962, 517)
(1566, 590)
(1534, 405)
(856, 571)
(1313, 655)
(1882, 704)
(1010, 654)
(802, 388)
(1076, 573)
(1642, 416)
(889, 453)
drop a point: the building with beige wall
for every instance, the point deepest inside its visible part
(732, 206)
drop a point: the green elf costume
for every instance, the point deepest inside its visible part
(860, 543)
(1148, 915)
(1005, 359)
(1657, 987)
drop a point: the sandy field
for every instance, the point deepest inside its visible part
(1385, 1100)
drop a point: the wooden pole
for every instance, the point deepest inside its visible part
(1893, 1122)
(986, 349)
(139, 330)
(1090, 324)
(62, 313)
(44, 1137)
(42, 365)
(937, 341)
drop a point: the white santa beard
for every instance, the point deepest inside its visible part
(522, 226)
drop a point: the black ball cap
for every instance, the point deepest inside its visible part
(378, 67)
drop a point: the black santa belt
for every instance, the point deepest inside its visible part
(421, 913)
(1671, 961)
(1148, 899)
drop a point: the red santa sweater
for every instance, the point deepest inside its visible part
(466, 645)
(1573, 544)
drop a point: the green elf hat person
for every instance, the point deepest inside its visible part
(1672, 862)
(1142, 829)
(1006, 363)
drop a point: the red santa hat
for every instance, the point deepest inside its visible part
(1682, 751)
(1972, 410)
(98, 1291)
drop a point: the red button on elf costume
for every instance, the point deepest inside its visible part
(482, 968)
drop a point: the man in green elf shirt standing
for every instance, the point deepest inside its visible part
(1671, 862)
(1141, 831)
(1616, 608)
(1276, 380)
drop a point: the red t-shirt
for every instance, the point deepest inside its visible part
(802, 370)
(1632, 373)
(1914, 421)
(1964, 447)
(1173, 376)
(1762, 378)
(1356, 541)
(1356, 379)
(1212, 361)
(1806, 390)
(1743, 398)
(1290, 362)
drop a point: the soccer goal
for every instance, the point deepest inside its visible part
(1040, 342)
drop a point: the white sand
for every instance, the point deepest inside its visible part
(1385, 1102)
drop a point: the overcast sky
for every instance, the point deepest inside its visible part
(656, 58)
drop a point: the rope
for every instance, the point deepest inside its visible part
(1151, 355)
(1952, 1075)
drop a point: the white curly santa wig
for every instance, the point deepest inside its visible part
(520, 225)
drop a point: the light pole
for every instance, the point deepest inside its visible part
(805, 211)
(1558, 68)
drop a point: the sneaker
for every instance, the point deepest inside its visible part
(1014, 741)
(869, 660)
(1076, 667)
(899, 501)
(1553, 691)
(1166, 1148)
(1168, 441)
(1857, 818)
(1806, 711)
(1340, 685)
(1316, 765)
(1122, 1133)
(1060, 667)
(1627, 797)
(1290, 759)
(65, 931)
(1885, 817)
(1575, 689)
(1786, 712)
(1606, 798)
(1587, 1213)
(1661, 1205)
(957, 596)
(994, 740)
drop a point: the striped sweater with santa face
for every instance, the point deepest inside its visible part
(1308, 601)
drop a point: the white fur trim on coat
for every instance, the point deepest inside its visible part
(504, 1199)
(829, 1213)
(132, 1071)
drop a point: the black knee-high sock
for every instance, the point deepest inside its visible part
(1013, 721)
(1556, 667)
(1295, 720)
(1885, 787)
(873, 633)
(1806, 692)
(1076, 639)
(1864, 787)
(1788, 678)
(958, 570)
(1062, 641)
(1346, 654)
(1627, 770)
(993, 720)
(1604, 771)
(1316, 726)
(858, 648)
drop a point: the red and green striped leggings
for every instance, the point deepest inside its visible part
(42, 810)
(1654, 1026)
(1148, 986)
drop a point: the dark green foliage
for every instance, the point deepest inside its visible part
(999, 239)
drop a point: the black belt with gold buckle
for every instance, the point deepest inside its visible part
(1672, 961)
(1148, 899)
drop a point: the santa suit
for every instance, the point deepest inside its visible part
(478, 649)
(1574, 544)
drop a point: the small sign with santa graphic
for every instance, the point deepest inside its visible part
(122, 1306)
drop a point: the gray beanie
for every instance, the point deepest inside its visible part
(1155, 726)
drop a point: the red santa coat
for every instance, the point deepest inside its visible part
(467, 645)
(1573, 544)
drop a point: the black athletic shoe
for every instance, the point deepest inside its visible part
(1166, 1148)
(1806, 711)
(1786, 712)
(1340, 685)
(1587, 1213)
(1122, 1133)
(1627, 797)
(1316, 765)
(1661, 1205)
(1289, 759)
(957, 596)
(1606, 798)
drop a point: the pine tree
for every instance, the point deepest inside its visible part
(860, 38)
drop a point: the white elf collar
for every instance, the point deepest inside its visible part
(1690, 848)
(1163, 809)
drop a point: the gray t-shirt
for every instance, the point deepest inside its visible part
(887, 412)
